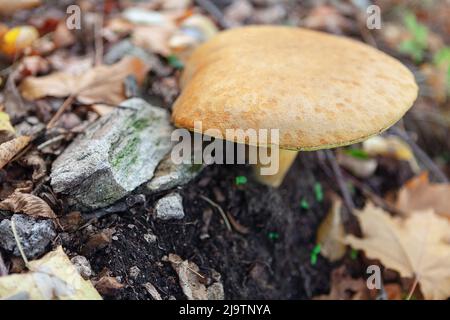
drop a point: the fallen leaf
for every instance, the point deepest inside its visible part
(51, 277)
(152, 291)
(331, 233)
(98, 241)
(12, 147)
(417, 246)
(28, 204)
(108, 286)
(419, 194)
(153, 39)
(344, 287)
(8, 7)
(6, 129)
(102, 84)
(192, 282)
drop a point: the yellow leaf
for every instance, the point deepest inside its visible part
(102, 84)
(416, 247)
(331, 233)
(10, 148)
(5, 124)
(49, 278)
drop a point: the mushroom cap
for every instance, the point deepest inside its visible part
(319, 90)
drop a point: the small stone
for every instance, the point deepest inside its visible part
(116, 154)
(35, 235)
(134, 272)
(150, 238)
(170, 207)
(108, 286)
(83, 266)
(169, 175)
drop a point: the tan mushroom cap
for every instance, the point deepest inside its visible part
(319, 90)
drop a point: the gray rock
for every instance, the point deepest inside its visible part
(169, 175)
(83, 266)
(170, 207)
(35, 235)
(116, 154)
(124, 48)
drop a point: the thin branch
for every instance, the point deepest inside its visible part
(19, 245)
(67, 103)
(212, 9)
(421, 155)
(342, 184)
(222, 213)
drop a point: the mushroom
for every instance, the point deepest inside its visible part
(321, 91)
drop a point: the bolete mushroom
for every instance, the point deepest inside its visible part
(320, 90)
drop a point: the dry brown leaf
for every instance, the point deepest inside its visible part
(153, 39)
(12, 147)
(102, 84)
(10, 6)
(344, 287)
(331, 233)
(417, 247)
(419, 194)
(28, 204)
(108, 286)
(192, 282)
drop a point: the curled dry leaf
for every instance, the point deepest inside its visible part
(108, 286)
(102, 84)
(10, 148)
(51, 277)
(417, 246)
(192, 282)
(331, 233)
(419, 194)
(28, 204)
(38, 164)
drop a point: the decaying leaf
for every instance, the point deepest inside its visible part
(108, 286)
(51, 277)
(152, 291)
(10, 6)
(419, 194)
(331, 233)
(192, 282)
(28, 204)
(344, 287)
(6, 129)
(102, 84)
(417, 246)
(12, 147)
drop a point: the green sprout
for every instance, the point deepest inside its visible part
(314, 254)
(416, 46)
(353, 254)
(318, 191)
(304, 204)
(357, 153)
(442, 58)
(175, 62)
(273, 235)
(240, 180)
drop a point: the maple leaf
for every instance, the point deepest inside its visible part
(102, 84)
(416, 246)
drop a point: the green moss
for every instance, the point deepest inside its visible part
(128, 154)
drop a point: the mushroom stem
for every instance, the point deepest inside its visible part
(285, 160)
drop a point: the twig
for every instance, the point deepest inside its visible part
(421, 155)
(413, 288)
(341, 182)
(67, 103)
(3, 268)
(98, 39)
(222, 213)
(50, 142)
(19, 245)
(212, 9)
